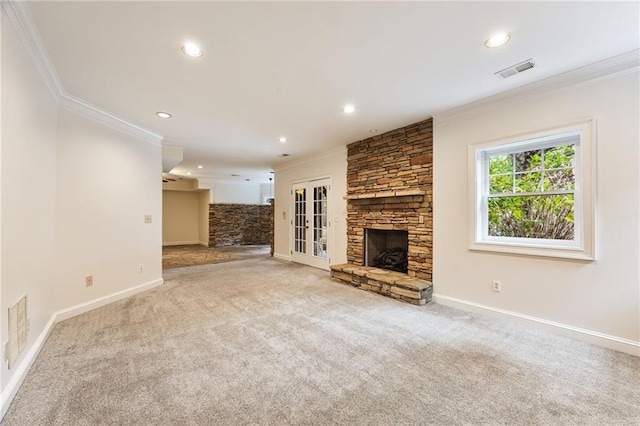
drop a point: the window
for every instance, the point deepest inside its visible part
(534, 194)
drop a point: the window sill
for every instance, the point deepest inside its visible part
(558, 252)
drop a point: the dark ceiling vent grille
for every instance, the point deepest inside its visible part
(516, 69)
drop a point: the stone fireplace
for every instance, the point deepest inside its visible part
(389, 188)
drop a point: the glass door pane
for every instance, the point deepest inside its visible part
(320, 221)
(300, 219)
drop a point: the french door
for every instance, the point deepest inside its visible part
(310, 222)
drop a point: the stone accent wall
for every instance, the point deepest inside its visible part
(271, 225)
(240, 224)
(389, 186)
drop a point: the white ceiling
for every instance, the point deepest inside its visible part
(272, 69)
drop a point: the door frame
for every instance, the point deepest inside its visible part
(309, 184)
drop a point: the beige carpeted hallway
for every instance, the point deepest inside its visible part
(263, 342)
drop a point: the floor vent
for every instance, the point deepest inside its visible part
(516, 69)
(18, 325)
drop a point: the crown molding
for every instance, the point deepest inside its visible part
(77, 105)
(22, 20)
(616, 66)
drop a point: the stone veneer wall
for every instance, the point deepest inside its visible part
(240, 224)
(389, 186)
(272, 241)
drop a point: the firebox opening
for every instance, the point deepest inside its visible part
(387, 249)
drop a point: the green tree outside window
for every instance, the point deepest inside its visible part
(531, 194)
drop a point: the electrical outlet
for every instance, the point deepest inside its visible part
(148, 218)
(497, 285)
(88, 280)
(141, 268)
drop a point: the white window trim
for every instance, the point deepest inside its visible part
(584, 246)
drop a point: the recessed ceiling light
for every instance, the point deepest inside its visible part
(373, 131)
(189, 173)
(348, 109)
(247, 180)
(163, 114)
(199, 167)
(235, 175)
(192, 49)
(497, 40)
(282, 139)
(284, 155)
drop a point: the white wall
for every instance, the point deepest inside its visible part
(107, 183)
(266, 191)
(74, 196)
(601, 297)
(239, 193)
(232, 193)
(28, 188)
(334, 165)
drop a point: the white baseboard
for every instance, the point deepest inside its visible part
(105, 300)
(23, 367)
(600, 339)
(282, 257)
(204, 243)
(181, 243)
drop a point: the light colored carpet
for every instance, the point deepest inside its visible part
(264, 342)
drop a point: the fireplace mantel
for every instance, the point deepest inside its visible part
(386, 194)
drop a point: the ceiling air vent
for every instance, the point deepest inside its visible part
(516, 69)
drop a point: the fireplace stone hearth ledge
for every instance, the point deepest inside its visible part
(388, 283)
